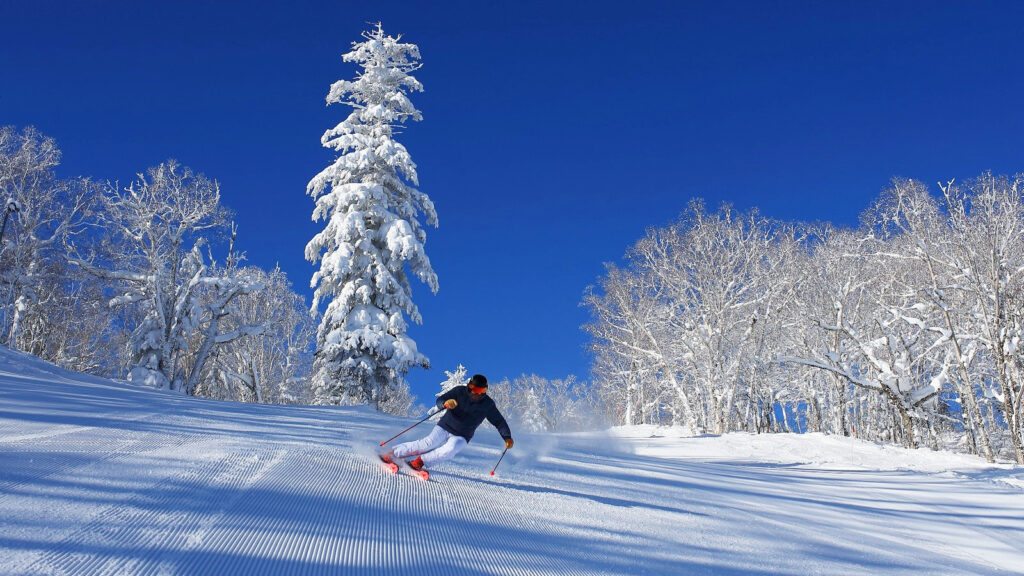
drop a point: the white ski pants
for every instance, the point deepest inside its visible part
(438, 446)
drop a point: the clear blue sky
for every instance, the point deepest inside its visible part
(554, 133)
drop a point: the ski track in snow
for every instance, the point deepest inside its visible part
(99, 477)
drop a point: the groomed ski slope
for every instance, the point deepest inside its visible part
(100, 477)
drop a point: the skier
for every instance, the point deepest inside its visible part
(466, 406)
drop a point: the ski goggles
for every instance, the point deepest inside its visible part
(474, 389)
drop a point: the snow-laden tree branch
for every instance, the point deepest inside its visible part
(38, 290)
(906, 329)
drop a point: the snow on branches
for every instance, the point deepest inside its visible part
(905, 329)
(153, 258)
(373, 237)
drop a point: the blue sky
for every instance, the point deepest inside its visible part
(554, 133)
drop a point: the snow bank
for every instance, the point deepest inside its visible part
(812, 450)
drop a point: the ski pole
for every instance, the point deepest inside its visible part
(499, 461)
(407, 429)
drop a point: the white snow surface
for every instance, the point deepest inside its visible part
(106, 477)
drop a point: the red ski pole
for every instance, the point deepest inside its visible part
(407, 429)
(499, 461)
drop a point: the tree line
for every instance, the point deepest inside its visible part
(142, 281)
(904, 329)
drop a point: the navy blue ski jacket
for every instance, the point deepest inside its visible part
(469, 413)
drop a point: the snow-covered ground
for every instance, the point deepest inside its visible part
(100, 477)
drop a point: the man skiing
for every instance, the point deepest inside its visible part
(467, 407)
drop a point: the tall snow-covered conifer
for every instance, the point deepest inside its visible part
(373, 236)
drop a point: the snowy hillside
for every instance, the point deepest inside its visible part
(99, 477)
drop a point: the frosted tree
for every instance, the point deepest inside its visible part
(456, 378)
(906, 329)
(532, 413)
(158, 225)
(154, 220)
(907, 211)
(42, 213)
(834, 278)
(570, 405)
(987, 224)
(630, 353)
(883, 351)
(501, 393)
(713, 274)
(400, 401)
(269, 367)
(373, 239)
(542, 405)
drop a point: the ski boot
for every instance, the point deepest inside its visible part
(389, 463)
(418, 469)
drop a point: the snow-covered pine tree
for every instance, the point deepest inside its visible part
(373, 234)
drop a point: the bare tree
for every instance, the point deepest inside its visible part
(43, 213)
(48, 308)
(879, 331)
(987, 226)
(700, 314)
(713, 269)
(630, 355)
(158, 224)
(542, 405)
(266, 345)
(875, 344)
(910, 216)
(834, 278)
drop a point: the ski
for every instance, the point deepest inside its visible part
(393, 467)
